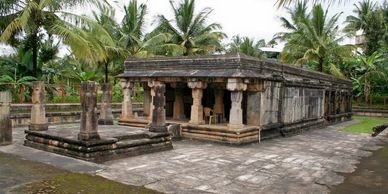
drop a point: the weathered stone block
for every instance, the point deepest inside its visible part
(106, 115)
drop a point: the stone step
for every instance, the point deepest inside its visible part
(138, 142)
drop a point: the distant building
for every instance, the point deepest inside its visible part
(271, 53)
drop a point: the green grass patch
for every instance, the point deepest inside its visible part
(71, 183)
(366, 124)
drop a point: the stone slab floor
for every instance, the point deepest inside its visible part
(311, 162)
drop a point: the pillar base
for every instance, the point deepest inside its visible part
(158, 129)
(38, 127)
(88, 136)
(235, 126)
(105, 121)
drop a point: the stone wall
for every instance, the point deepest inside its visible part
(269, 104)
(302, 103)
(65, 113)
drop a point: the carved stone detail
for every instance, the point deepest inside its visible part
(197, 108)
(159, 112)
(106, 115)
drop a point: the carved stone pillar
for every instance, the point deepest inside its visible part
(88, 96)
(236, 87)
(178, 111)
(38, 111)
(151, 85)
(219, 101)
(147, 99)
(126, 109)
(106, 116)
(159, 112)
(197, 108)
(5, 121)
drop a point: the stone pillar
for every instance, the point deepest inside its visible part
(151, 85)
(38, 112)
(88, 96)
(159, 112)
(197, 108)
(5, 121)
(106, 116)
(179, 109)
(219, 101)
(253, 102)
(126, 107)
(147, 99)
(236, 86)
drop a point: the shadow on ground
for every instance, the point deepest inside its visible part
(22, 176)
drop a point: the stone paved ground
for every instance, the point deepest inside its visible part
(308, 163)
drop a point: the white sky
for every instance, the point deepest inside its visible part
(253, 18)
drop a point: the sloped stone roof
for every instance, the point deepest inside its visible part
(220, 66)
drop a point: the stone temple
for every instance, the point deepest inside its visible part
(235, 99)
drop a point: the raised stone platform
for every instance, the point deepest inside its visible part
(116, 142)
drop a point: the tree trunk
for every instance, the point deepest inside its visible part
(320, 65)
(367, 90)
(106, 72)
(34, 54)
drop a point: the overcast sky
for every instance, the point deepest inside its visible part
(253, 18)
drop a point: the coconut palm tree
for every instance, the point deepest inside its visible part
(360, 20)
(314, 40)
(36, 17)
(190, 30)
(247, 46)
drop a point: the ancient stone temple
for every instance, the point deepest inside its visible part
(235, 98)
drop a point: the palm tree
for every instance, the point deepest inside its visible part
(247, 46)
(360, 21)
(138, 44)
(282, 3)
(314, 38)
(35, 17)
(190, 30)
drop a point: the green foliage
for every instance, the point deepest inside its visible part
(190, 31)
(117, 93)
(66, 99)
(247, 46)
(313, 39)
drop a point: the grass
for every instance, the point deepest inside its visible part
(366, 124)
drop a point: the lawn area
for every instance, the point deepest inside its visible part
(366, 124)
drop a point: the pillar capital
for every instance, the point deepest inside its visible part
(197, 84)
(236, 84)
(154, 83)
(126, 84)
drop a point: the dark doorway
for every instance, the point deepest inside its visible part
(227, 104)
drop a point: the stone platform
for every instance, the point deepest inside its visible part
(116, 142)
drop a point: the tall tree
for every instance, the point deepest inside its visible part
(359, 21)
(35, 17)
(313, 39)
(190, 30)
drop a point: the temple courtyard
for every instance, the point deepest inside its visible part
(312, 162)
